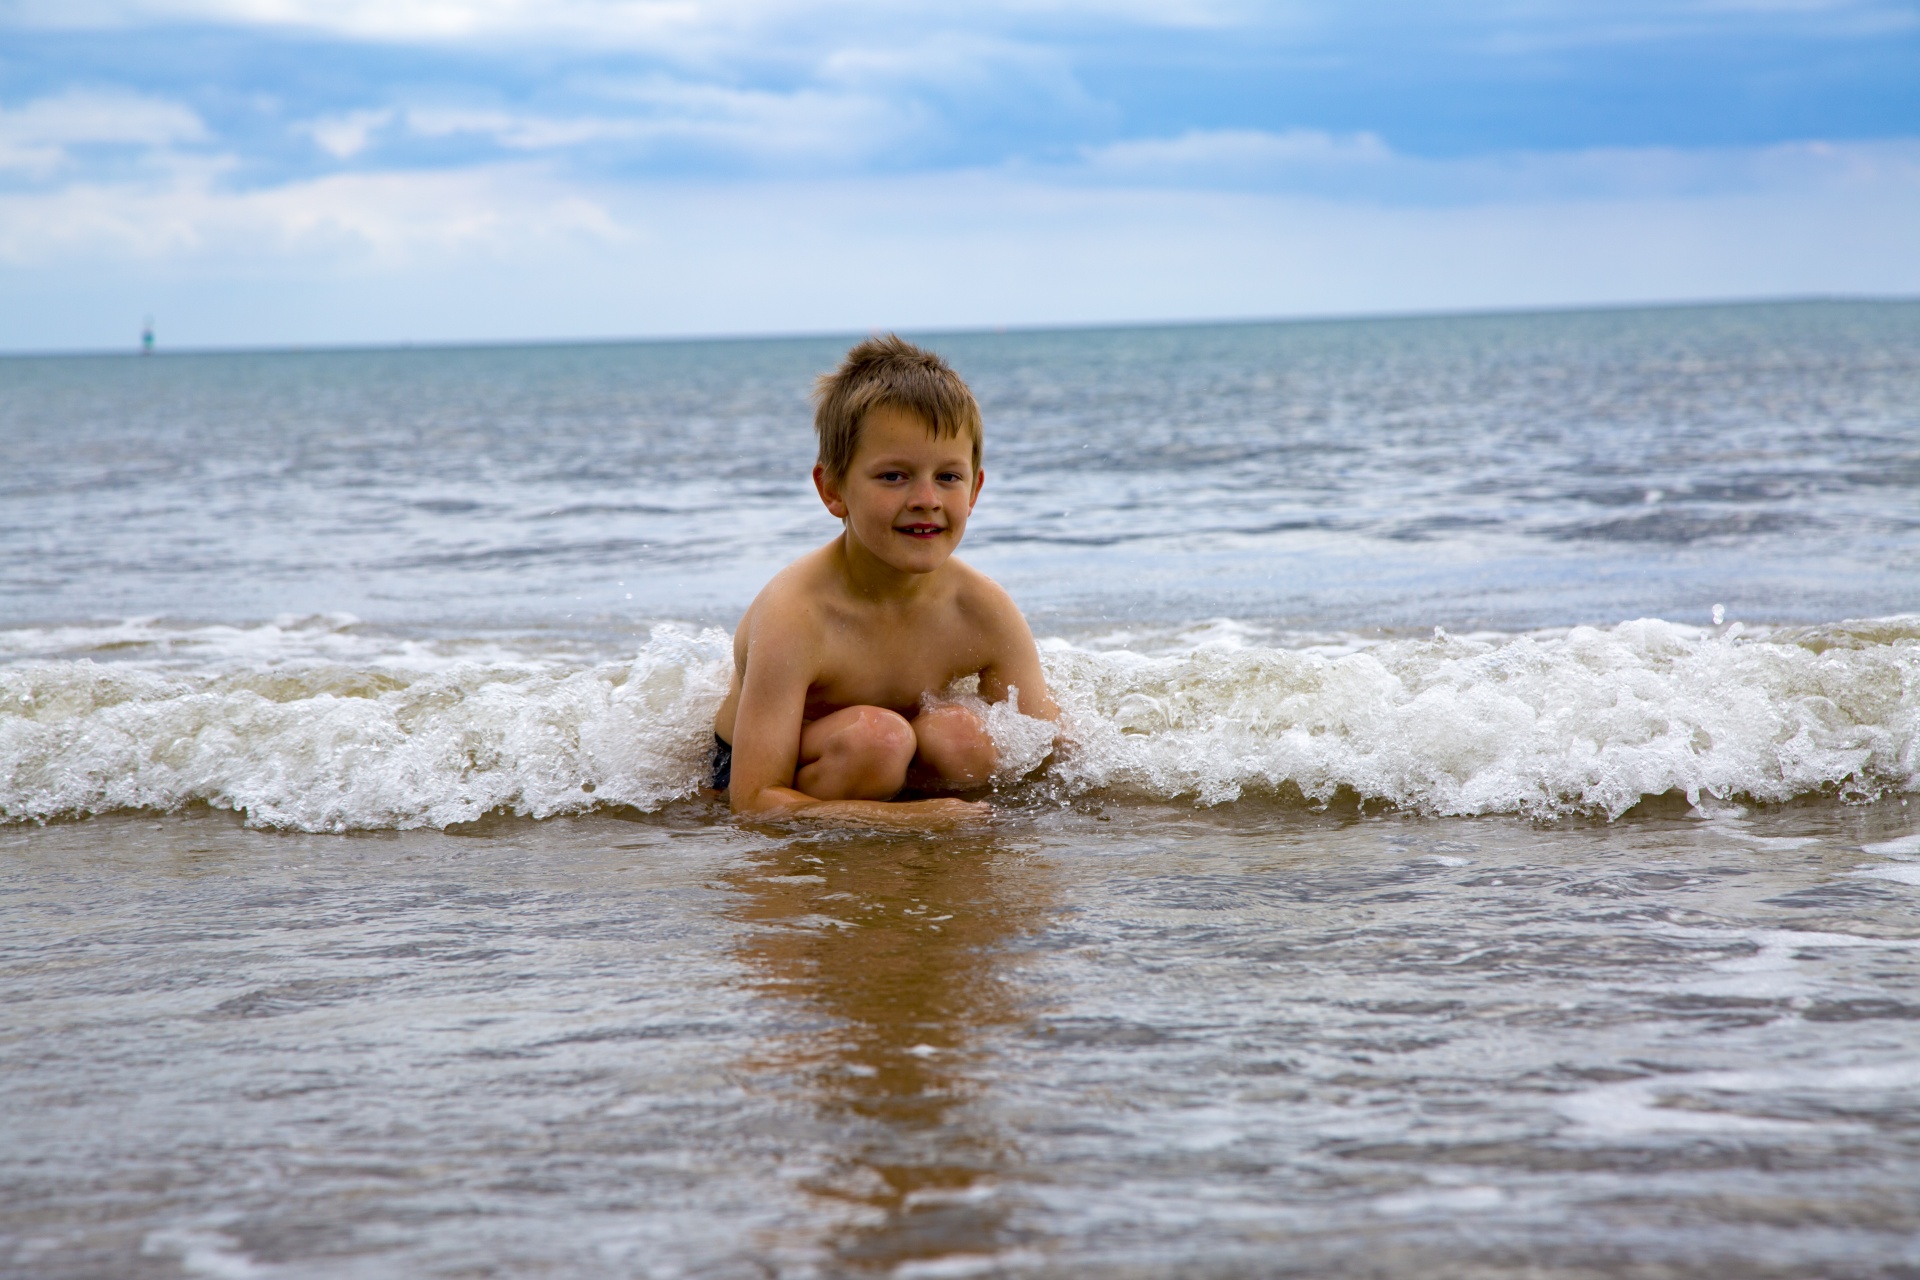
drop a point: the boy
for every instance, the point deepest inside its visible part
(825, 719)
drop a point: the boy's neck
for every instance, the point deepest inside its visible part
(872, 579)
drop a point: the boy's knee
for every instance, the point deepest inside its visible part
(864, 756)
(884, 733)
(954, 744)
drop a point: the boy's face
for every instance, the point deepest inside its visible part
(906, 495)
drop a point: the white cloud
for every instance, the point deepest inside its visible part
(518, 131)
(1212, 155)
(514, 251)
(646, 23)
(962, 70)
(1549, 22)
(1532, 28)
(369, 19)
(807, 126)
(346, 136)
(39, 136)
(856, 103)
(1617, 172)
(952, 60)
(376, 221)
(1361, 167)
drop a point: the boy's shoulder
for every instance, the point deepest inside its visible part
(975, 592)
(795, 596)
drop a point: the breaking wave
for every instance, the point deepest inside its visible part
(317, 735)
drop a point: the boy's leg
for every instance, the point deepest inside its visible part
(953, 749)
(857, 753)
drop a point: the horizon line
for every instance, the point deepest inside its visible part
(134, 350)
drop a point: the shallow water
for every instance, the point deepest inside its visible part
(1105, 1040)
(1487, 844)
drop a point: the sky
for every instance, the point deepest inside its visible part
(309, 172)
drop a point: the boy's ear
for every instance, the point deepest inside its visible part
(979, 478)
(829, 490)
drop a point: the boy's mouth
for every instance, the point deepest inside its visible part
(920, 530)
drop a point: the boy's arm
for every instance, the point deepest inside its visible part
(766, 724)
(1016, 662)
(766, 743)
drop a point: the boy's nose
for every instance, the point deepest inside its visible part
(923, 493)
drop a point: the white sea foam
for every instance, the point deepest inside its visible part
(329, 747)
(1904, 847)
(1783, 965)
(312, 733)
(1590, 719)
(1726, 1102)
(1899, 873)
(168, 644)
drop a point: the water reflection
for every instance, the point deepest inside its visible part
(896, 952)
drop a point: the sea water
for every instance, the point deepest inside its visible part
(1481, 844)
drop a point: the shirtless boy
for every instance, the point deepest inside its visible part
(826, 718)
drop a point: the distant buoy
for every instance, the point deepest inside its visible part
(146, 337)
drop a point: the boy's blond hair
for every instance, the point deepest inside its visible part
(889, 370)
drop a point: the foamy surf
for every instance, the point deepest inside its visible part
(331, 747)
(318, 736)
(1590, 720)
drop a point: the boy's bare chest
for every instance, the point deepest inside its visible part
(876, 664)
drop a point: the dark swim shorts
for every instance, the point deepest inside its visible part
(722, 763)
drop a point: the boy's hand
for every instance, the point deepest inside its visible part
(943, 813)
(951, 812)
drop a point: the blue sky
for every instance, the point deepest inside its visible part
(310, 171)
